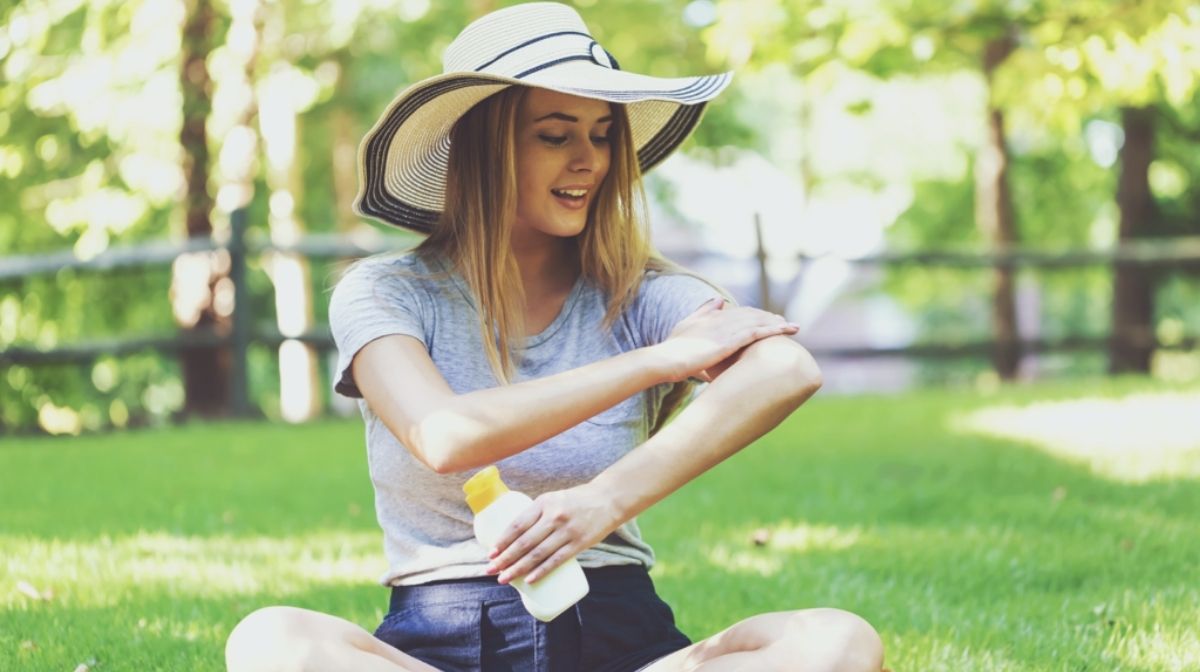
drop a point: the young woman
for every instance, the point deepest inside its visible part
(535, 329)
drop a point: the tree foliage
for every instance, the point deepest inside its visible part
(91, 109)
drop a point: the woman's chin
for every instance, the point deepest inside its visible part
(568, 226)
(563, 229)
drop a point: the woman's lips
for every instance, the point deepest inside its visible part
(570, 203)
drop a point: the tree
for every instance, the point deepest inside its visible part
(877, 39)
(1133, 292)
(994, 212)
(1143, 60)
(90, 155)
(198, 278)
(1047, 64)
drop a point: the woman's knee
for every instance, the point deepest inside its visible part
(846, 641)
(271, 639)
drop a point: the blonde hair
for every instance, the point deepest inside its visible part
(480, 207)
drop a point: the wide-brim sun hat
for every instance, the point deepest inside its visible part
(403, 160)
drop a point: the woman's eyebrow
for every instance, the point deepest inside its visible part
(567, 117)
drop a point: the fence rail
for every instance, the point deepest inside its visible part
(161, 253)
(322, 339)
(1165, 253)
(1178, 253)
(1169, 253)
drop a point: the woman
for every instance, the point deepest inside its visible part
(535, 329)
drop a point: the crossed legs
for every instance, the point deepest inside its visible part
(810, 640)
(287, 639)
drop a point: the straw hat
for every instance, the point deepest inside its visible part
(402, 160)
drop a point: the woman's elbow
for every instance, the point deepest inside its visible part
(804, 374)
(438, 458)
(437, 454)
(442, 445)
(790, 364)
(810, 383)
(446, 466)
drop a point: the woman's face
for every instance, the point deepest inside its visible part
(563, 154)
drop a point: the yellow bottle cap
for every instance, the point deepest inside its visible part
(484, 488)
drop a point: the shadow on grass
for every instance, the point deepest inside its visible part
(979, 544)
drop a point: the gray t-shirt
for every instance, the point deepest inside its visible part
(427, 526)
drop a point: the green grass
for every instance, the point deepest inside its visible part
(967, 551)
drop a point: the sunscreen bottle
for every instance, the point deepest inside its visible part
(495, 506)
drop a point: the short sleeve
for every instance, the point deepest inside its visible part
(664, 300)
(375, 298)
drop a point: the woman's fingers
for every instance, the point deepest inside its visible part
(551, 563)
(520, 548)
(567, 522)
(515, 529)
(764, 330)
(763, 324)
(542, 558)
(523, 534)
(715, 333)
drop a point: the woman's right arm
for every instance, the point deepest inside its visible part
(451, 432)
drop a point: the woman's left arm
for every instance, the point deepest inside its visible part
(769, 380)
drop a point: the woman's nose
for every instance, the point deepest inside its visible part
(586, 157)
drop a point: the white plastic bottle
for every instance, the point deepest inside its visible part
(495, 506)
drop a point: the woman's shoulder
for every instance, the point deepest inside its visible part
(397, 278)
(669, 290)
(400, 269)
(659, 281)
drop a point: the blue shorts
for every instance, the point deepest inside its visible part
(478, 625)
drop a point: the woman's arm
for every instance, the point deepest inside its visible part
(450, 432)
(770, 379)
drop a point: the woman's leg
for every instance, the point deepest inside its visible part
(287, 639)
(811, 640)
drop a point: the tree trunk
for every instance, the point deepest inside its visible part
(198, 279)
(994, 216)
(1132, 344)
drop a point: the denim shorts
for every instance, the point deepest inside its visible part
(479, 625)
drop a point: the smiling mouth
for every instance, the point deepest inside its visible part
(575, 195)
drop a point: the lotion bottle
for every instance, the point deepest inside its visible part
(495, 506)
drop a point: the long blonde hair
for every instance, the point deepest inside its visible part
(473, 231)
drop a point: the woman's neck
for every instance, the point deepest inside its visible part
(548, 267)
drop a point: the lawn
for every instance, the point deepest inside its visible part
(1027, 529)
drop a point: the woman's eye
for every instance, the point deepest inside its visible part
(553, 139)
(600, 139)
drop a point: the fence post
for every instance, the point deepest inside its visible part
(764, 278)
(242, 319)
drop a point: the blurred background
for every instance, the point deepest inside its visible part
(942, 194)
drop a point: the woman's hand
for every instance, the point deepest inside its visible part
(558, 526)
(713, 334)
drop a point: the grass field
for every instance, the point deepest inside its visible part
(1029, 529)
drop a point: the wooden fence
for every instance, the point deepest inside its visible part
(1178, 253)
(243, 333)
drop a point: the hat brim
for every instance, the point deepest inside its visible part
(403, 160)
